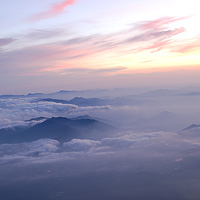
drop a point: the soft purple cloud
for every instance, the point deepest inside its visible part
(79, 40)
(6, 41)
(109, 70)
(38, 34)
(55, 10)
(153, 34)
(96, 71)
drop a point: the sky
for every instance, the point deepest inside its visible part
(50, 45)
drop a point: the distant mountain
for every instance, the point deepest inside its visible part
(79, 101)
(82, 117)
(110, 93)
(161, 92)
(53, 100)
(165, 115)
(70, 94)
(163, 121)
(34, 94)
(87, 102)
(191, 94)
(191, 127)
(192, 130)
(65, 94)
(36, 119)
(58, 128)
(10, 96)
(66, 91)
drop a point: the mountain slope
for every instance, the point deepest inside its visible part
(79, 101)
(191, 127)
(59, 128)
(192, 130)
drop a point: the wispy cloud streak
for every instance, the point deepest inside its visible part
(55, 10)
(189, 46)
(6, 41)
(155, 24)
(86, 52)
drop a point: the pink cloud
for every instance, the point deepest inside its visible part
(159, 23)
(163, 43)
(5, 41)
(159, 45)
(156, 34)
(189, 47)
(86, 51)
(55, 10)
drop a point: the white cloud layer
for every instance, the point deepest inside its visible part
(14, 111)
(160, 144)
(81, 145)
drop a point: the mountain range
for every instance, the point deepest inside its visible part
(79, 101)
(58, 128)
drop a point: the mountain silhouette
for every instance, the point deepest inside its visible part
(79, 101)
(191, 127)
(58, 128)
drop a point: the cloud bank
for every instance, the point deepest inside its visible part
(147, 145)
(14, 112)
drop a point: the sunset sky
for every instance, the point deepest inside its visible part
(50, 45)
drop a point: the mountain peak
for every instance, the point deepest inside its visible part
(191, 127)
(58, 128)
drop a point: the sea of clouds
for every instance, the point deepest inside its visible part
(123, 165)
(146, 145)
(14, 112)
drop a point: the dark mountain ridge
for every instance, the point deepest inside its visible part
(58, 128)
(190, 131)
(193, 126)
(79, 101)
